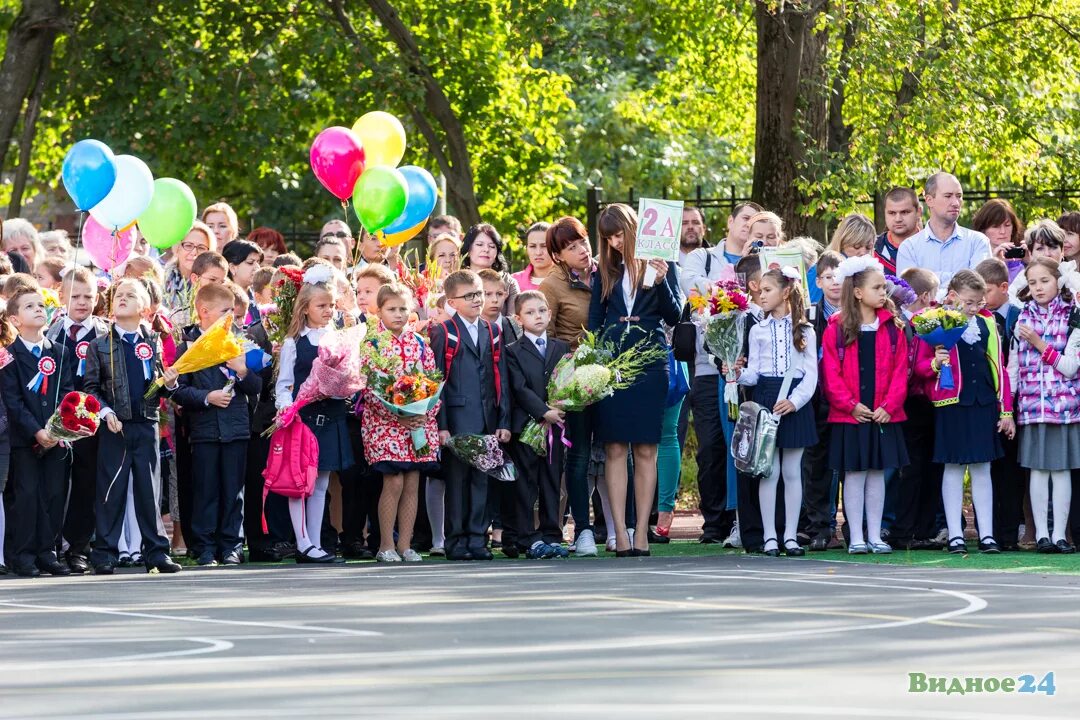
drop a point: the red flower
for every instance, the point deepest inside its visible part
(92, 404)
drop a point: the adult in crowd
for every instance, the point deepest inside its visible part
(708, 263)
(444, 252)
(624, 311)
(1070, 223)
(245, 259)
(339, 230)
(854, 236)
(334, 251)
(221, 219)
(373, 252)
(693, 232)
(998, 221)
(443, 225)
(540, 263)
(481, 249)
(270, 241)
(943, 247)
(766, 230)
(903, 217)
(568, 290)
(56, 244)
(20, 236)
(199, 239)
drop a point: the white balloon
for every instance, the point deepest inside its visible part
(130, 195)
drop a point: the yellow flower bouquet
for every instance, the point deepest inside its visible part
(213, 347)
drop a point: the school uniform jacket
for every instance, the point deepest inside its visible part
(529, 375)
(29, 410)
(58, 334)
(470, 402)
(207, 423)
(107, 379)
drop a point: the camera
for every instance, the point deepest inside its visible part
(1015, 253)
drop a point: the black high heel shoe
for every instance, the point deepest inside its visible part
(775, 552)
(628, 552)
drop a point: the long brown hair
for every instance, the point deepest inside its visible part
(1024, 295)
(796, 301)
(850, 314)
(615, 219)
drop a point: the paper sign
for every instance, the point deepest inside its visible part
(659, 228)
(781, 257)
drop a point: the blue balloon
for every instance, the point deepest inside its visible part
(423, 195)
(89, 173)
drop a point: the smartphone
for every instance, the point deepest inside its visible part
(1015, 253)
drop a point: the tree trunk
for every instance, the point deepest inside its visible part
(26, 142)
(792, 116)
(29, 41)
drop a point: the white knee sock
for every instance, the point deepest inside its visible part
(316, 505)
(1039, 487)
(792, 471)
(854, 500)
(296, 515)
(1062, 498)
(952, 496)
(982, 497)
(435, 498)
(767, 500)
(875, 504)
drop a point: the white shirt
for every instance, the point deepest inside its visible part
(629, 292)
(283, 388)
(83, 329)
(535, 338)
(772, 349)
(473, 328)
(30, 346)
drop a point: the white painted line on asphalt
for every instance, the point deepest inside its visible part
(212, 645)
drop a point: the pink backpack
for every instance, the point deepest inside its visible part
(293, 463)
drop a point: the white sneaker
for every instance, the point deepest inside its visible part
(733, 540)
(388, 556)
(411, 556)
(586, 544)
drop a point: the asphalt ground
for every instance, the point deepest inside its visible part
(730, 635)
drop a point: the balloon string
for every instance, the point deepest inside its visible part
(69, 278)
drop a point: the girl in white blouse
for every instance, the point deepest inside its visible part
(783, 341)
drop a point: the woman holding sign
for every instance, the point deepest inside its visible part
(632, 301)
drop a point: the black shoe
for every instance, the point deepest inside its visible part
(77, 563)
(655, 537)
(259, 555)
(634, 552)
(4, 569)
(819, 544)
(1045, 546)
(27, 571)
(708, 540)
(125, 561)
(231, 558)
(307, 558)
(105, 568)
(957, 546)
(988, 545)
(775, 552)
(284, 550)
(1064, 547)
(458, 555)
(164, 565)
(481, 554)
(355, 550)
(207, 559)
(55, 567)
(792, 548)
(511, 551)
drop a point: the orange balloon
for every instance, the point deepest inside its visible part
(401, 237)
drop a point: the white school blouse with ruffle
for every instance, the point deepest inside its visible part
(770, 349)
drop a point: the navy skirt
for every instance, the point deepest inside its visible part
(326, 419)
(797, 430)
(392, 467)
(634, 415)
(966, 434)
(867, 446)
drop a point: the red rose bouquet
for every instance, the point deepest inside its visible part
(286, 286)
(75, 418)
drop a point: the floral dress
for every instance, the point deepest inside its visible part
(389, 446)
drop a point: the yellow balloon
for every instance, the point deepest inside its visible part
(382, 137)
(401, 237)
(128, 226)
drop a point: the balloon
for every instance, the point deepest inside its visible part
(404, 236)
(382, 136)
(89, 173)
(130, 195)
(422, 198)
(170, 215)
(337, 159)
(105, 249)
(380, 196)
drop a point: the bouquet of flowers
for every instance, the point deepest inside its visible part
(335, 373)
(721, 314)
(213, 347)
(484, 453)
(588, 375)
(422, 285)
(284, 292)
(5, 357)
(941, 327)
(52, 304)
(75, 418)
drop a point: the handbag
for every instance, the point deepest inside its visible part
(684, 335)
(678, 383)
(753, 441)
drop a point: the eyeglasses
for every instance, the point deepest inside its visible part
(192, 247)
(340, 235)
(471, 297)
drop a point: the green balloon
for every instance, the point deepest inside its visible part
(380, 196)
(170, 215)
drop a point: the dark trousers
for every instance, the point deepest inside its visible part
(183, 482)
(537, 486)
(466, 506)
(276, 508)
(218, 496)
(918, 496)
(360, 490)
(79, 514)
(579, 431)
(1009, 481)
(40, 486)
(130, 456)
(818, 483)
(711, 455)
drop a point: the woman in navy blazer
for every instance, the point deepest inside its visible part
(623, 311)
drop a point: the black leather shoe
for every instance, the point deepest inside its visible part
(77, 563)
(793, 549)
(1045, 546)
(511, 551)
(775, 552)
(4, 569)
(104, 569)
(1064, 547)
(458, 555)
(231, 558)
(164, 565)
(634, 552)
(27, 571)
(988, 545)
(957, 546)
(819, 544)
(55, 567)
(706, 540)
(481, 554)
(307, 558)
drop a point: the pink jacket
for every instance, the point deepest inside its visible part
(841, 379)
(924, 370)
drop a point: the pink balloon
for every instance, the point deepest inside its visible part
(337, 159)
(105, 250)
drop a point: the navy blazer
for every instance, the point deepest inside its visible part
(469, 402)
(207, 423)
(29, 410)
(662, 303)
(529, 376)
(98, 328)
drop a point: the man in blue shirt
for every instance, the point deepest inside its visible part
(943, 247)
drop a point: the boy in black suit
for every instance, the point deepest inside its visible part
(475, 400)
(72, 334)
(531, 361)
(216, 402)
(119, 369)
(34, 383)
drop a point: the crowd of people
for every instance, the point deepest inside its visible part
(866, 423)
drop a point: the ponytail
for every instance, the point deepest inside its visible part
(797, 302)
